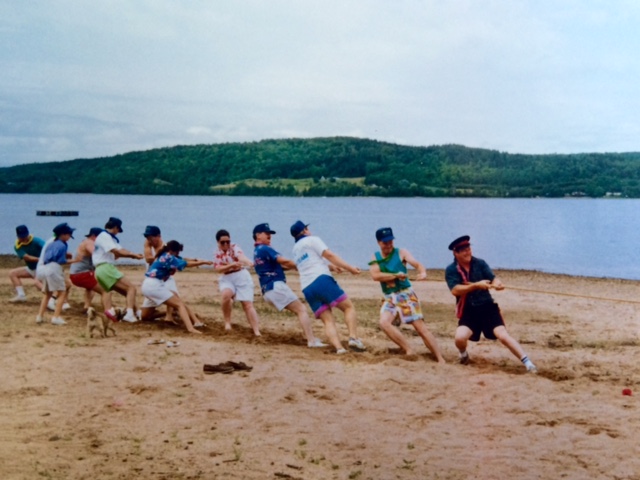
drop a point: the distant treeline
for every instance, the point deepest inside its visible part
(338, 166)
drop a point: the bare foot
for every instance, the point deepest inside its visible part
(195, 331)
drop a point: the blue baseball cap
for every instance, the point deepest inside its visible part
(22, 231)
(63, 229)
(94, 231)
(151, 231)
(297, 228)
(114, 222)
(384, 234)
(262, 228)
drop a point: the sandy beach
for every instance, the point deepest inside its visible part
(74, 407)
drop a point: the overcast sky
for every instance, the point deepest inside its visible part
(84, 79)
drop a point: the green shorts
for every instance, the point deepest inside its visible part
(108, 275)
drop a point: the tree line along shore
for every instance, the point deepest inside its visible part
(335, 166)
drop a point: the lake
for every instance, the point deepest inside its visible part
(572, 236)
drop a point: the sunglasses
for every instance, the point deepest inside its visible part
(225, 242)
(462, 249)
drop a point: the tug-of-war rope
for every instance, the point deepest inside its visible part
(561, 294)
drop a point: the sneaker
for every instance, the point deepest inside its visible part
(357, 344)
(18, 299)
(317, 343)
(341, 351)
(58, 321)
(65, 306)
(52, 304)
(110, 316)
(129, 317)
(199, 325)
(464, 360)
(531, 368)
(39, 319)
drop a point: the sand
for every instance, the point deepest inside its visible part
(74, 407)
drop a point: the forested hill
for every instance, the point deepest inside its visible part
(336, 166)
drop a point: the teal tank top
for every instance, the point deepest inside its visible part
(392, 264)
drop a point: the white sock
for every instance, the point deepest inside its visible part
(130, 311)
(464, 354)
(20, 290)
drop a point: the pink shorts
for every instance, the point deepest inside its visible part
(84, 280)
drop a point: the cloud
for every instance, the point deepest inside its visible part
(89, 80)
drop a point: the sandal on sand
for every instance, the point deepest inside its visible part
(238, 366)
(220, 368)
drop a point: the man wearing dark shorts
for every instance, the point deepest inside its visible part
(470, 279)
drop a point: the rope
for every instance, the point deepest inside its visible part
(562, 294)
(620, 300)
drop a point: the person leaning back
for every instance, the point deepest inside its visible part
(470, 279)
(28, 249)
(270, 265)
(107, 249)
(389, 267)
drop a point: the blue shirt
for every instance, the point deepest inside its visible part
(164, 266)
(478, 270)
(267, 267)
(56, 252)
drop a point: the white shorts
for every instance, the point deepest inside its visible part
(155, 292)
(52, 277)
(280, 296)
(240, 283)
(30, 272)
(171, 285)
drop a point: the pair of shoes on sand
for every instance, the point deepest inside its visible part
(54, 320)
(51, 305)
(226, 367)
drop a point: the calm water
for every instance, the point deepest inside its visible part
(592, 237)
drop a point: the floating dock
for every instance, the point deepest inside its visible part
(57, 213)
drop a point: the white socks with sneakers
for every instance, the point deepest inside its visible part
(529, 364)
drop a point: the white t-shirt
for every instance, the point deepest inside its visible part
(104, 244)
(307, 253)
(44, 249)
